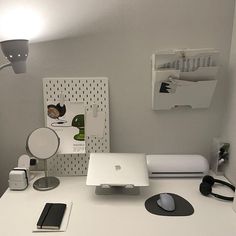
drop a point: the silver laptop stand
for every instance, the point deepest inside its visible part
(110, 190)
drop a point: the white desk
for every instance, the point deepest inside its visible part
(118, 215)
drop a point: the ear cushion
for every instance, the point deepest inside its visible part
(208, 179)
(205, 189)
(61, 109)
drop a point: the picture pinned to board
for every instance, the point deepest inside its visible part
(95, 122)
(67, 119)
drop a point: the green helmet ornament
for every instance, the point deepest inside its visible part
(78, 122)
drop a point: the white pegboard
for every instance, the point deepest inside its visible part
(90, 91)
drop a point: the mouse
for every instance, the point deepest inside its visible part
(166, 202)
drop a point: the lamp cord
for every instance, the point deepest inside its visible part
(5, 65)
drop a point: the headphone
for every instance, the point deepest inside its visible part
(206, 187)
(56, 111)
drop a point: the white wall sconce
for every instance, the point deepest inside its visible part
(16, 51)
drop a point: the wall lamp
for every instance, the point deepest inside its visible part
(16, 51)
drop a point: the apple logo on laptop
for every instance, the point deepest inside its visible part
(117, 167)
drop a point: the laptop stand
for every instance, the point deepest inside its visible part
(110, 190)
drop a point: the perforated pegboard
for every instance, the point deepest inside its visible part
(90, 91)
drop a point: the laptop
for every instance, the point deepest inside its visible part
(117, 169)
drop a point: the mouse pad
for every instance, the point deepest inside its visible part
(182, 206)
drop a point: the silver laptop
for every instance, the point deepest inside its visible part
(117, 169)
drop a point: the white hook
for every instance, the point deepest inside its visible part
(95, 110)
(62, 99)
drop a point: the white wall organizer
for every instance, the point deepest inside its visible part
(184, 78)
(93, 92)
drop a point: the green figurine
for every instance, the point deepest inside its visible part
(78, 122)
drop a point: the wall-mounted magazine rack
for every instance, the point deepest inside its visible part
(184, 78)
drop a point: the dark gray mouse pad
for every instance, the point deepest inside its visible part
(182, 206)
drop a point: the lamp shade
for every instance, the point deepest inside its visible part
(16, 51)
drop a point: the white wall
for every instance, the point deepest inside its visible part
(229, 127)
(123, 55)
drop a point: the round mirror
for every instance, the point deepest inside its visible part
(43, 143)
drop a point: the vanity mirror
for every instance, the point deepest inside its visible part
(42, 144)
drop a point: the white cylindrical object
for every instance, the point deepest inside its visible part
(177, 165)
(24, 161)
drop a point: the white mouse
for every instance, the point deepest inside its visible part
(166, 202)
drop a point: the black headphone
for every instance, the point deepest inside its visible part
(56, 111)
(206, 187)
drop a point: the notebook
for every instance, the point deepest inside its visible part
(51, 216)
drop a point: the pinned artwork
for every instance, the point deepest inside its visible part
(67, 119)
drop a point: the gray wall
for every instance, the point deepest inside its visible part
(123, 55)
(229, 128)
